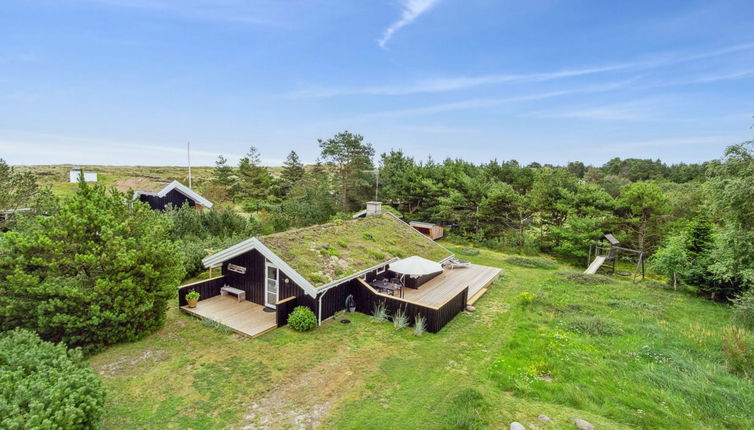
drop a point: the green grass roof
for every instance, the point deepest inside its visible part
(325, 253)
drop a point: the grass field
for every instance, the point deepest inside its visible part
(615, 354)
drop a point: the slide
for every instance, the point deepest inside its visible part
(595, 266)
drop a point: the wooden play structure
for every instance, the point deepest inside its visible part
(607, 251)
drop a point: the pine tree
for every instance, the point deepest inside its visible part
(292, 172)
(223, 174)
(254, 179)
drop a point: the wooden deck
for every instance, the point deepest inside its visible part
(451, 282)
(245, 318)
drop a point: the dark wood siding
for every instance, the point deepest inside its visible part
(366, 299)
(172, 197)
(334, 299)
(206, 289)
(284, 308)
(253, 280)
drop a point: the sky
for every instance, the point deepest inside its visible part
(130, 82)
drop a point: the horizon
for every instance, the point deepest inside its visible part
(114, 83)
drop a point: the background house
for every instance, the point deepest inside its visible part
(75, 173)
(174, 193)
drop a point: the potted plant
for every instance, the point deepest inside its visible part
(351, 303)
(192, 298)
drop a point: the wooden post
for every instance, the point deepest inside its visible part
(640, 263)
(589, 260)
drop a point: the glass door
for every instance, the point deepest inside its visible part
(272, 277)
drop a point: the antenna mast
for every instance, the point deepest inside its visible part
(188, 151)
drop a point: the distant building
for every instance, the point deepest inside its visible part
(75, 174)
(174, 193)
(431, 230)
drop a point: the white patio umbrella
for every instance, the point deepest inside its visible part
(415, 266)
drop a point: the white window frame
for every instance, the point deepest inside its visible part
(381, 270)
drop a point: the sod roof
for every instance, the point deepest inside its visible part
(328, 252)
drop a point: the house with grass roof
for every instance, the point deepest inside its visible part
(174, 194)
(262, 279)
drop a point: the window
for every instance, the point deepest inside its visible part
(381, 270)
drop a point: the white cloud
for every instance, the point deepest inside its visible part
(22, 147)
(435, 85)
(446, 84)
(412, 9)
(478, 103)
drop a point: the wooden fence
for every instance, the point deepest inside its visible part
(284, 308)
(206, 289)
(367, 298)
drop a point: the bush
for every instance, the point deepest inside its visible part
(526, 298)
(44, 385)
(739, 351)
(302, 319)
(468, 251)
(99, 271)
(420, 325)
(379, 312)
(400, 320)
(532, 263)
(743, 308)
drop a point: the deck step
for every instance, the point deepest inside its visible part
(476, 296)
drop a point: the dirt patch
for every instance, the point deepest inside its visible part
(124, 364)
(292, 403)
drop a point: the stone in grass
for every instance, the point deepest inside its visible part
(515, 425)
(470, 308)
(544, 418)
(583, 425)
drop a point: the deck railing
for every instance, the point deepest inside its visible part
(206, 289)
(436, 316)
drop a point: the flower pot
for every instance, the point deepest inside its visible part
(352, 309)
(192, 302)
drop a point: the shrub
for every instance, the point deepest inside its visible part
(44, 385)
(379, 312)
(743, 308)
(739, 351)
(532, 263)
(302, 319)
(420, 325)
(400, 320)
(99, 271)
(467, 410)
(526, 298)
(468, 251)
(593, 325)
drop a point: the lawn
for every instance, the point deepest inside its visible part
(616, 354)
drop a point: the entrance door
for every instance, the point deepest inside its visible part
(272, 279)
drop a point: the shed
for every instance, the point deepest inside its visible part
(431, 230)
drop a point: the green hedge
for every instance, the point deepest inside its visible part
(45, 385)
(302, 319)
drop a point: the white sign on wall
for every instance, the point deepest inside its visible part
(237, 269)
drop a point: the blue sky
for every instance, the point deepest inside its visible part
(130, 81)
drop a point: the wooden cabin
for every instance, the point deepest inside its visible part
(176, 194)
(262, 279)
(431, 230)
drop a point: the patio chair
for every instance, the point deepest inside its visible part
(455, 263)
